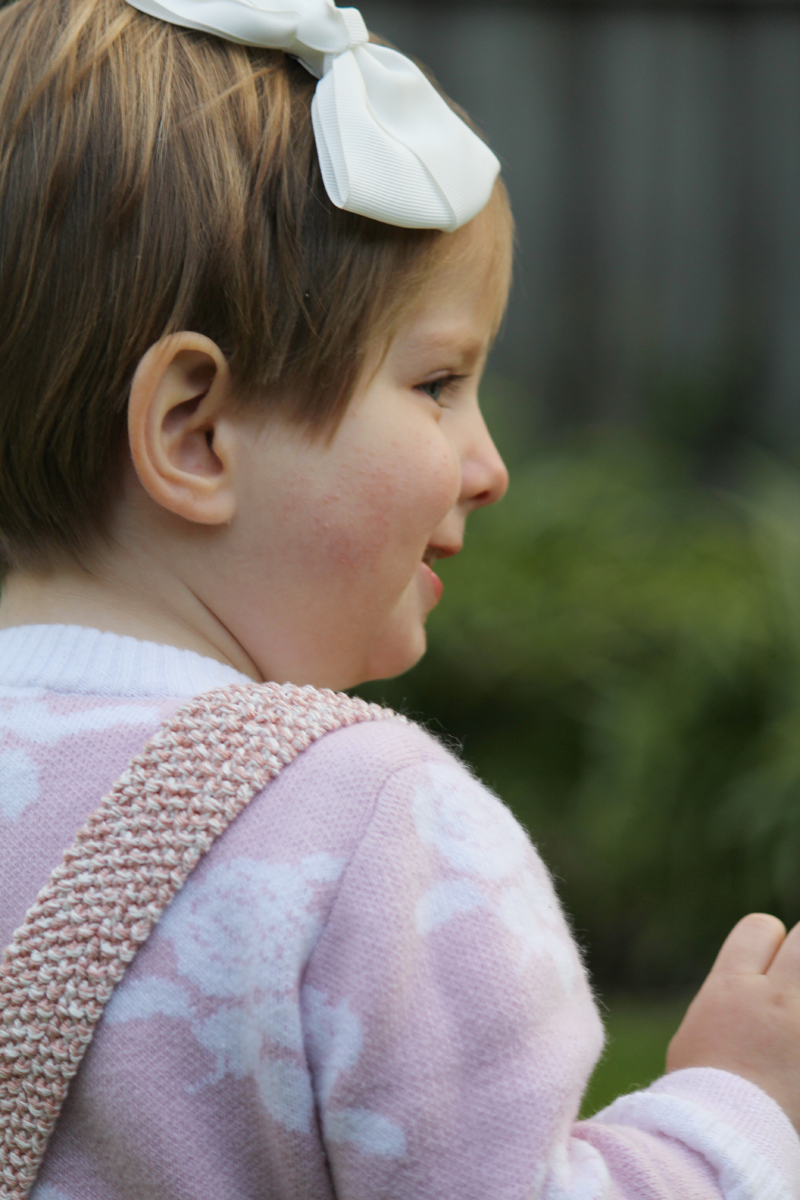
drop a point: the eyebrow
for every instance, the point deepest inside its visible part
(455, 341)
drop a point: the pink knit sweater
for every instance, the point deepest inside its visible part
(366, 989)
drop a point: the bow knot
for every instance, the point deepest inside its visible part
(346, 31)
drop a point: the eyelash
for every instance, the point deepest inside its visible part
(446, 384)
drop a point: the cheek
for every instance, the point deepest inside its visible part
(391, 506)
(413, 492)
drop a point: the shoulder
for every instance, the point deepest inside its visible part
(387, 792)
(380, 789)
(340, 781)
(380, 768)
(326, 798)
(371, 752)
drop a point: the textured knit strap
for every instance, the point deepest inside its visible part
(123, 869)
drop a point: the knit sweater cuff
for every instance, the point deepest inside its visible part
(741, 1132)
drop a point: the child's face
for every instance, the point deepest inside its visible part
(331, 540)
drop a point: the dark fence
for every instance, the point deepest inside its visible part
(653, 157)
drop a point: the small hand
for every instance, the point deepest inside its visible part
(746, 1016)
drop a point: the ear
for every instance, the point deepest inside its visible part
(177, 428)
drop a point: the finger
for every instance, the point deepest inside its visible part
(751, 945)
(785, 966)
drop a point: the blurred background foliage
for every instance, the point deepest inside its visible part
(618, 655)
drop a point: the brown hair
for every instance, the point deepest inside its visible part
(154, 179)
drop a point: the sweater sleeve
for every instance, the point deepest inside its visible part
(450, 1032)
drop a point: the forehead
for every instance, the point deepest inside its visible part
(464, 297)
(454, 336)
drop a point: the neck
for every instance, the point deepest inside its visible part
(137, 599)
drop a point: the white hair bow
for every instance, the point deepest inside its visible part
(389, 146)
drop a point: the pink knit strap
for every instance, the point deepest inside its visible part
(124, 867)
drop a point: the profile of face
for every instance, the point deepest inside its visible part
(318, 551)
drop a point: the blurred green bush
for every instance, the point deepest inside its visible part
(618, 654)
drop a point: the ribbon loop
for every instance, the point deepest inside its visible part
(389, 146)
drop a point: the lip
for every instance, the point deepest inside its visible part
(434, 582)
(433, 553)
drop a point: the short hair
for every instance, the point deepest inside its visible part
(154, 179)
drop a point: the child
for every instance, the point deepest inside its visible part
(243, 318)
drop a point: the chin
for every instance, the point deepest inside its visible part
(392, 660)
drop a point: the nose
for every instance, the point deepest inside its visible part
(484, 475)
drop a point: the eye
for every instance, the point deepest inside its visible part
(439, 388)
